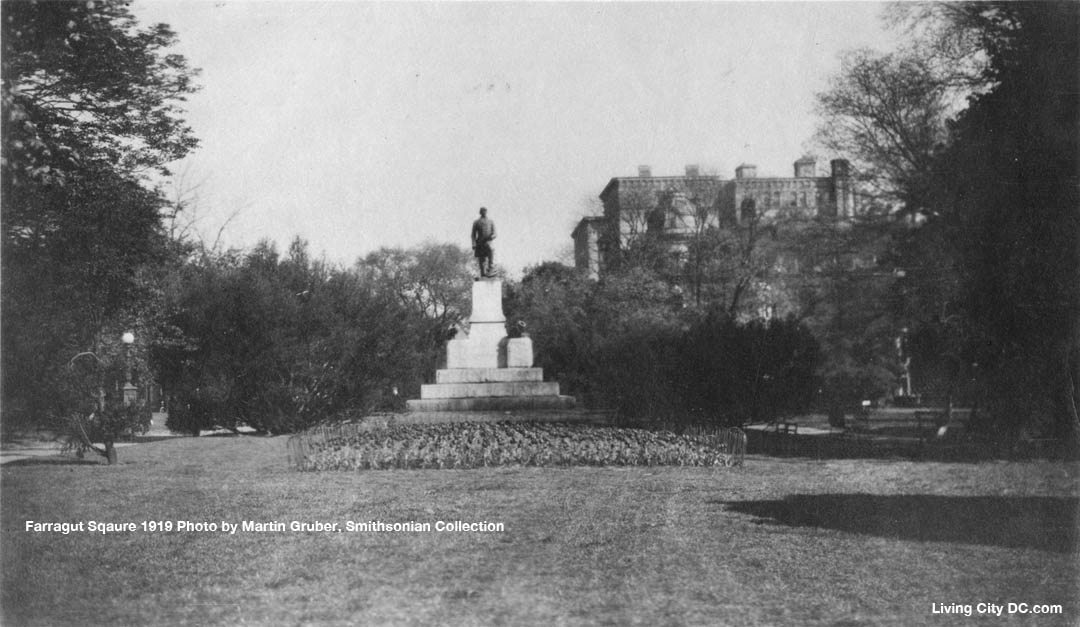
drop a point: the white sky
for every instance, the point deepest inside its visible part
(358, 125)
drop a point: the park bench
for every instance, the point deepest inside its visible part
(933, 420)
(928, 419)
(862, 415)
(786, 428)
(779, 434)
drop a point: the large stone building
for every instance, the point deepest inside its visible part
(674, 207)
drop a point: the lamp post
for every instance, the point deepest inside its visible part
(905, 360)
(130, 391)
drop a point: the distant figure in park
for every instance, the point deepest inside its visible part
(483, 231)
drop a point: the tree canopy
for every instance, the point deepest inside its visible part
(974, 125)
(433, 280)
(82, 85)
(887, 113)
(1010, 192)
(279, 342)
(91, 108)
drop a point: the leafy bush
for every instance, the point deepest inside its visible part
(753, 372)
(639, 372)
(717, 371)
(629, 344)
(115, 422)
(281, 343)
(88, 403)
(197, 409)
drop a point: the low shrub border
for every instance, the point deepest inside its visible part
(474, 445)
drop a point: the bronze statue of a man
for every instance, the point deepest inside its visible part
(483, 231)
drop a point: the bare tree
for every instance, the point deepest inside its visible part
(887, 114)
(185, 212)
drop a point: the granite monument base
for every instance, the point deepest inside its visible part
(487, 371)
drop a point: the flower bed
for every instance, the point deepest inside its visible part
(473, 445)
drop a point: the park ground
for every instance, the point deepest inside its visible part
(778, 541)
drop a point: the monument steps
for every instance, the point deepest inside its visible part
(491, 403)
(496, 388)
(488, 375)
(575, 415)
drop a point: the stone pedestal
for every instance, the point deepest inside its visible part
(487, 371)
(519, 353)
(487, 328)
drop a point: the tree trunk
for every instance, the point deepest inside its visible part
(110, 452)
(1073, 437)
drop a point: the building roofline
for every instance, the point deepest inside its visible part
(585, 222)
(614, 182)
(784, 178)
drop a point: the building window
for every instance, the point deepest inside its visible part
(802, 199)
(748, 210)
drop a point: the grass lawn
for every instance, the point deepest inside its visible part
(775, 542)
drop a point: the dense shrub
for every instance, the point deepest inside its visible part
(752, 372)
(552, 300)
(630, 343)
(198, 407)
(280, 343)
(89, 407)
(717, 371)
(639, 372)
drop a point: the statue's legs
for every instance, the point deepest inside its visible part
(485, 259)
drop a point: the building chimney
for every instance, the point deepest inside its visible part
(746, 171)
(842, 191)
(644, 171)
(806, 167)
(692, 171)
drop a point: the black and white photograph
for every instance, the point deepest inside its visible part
(410, 313)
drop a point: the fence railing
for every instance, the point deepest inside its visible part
(301, 445)
(731, 440)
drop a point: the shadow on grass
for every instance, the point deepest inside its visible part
(888, 444)
(1037, 522)
(53, 460)
(143, 439)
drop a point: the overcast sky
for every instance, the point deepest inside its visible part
(360, 125)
